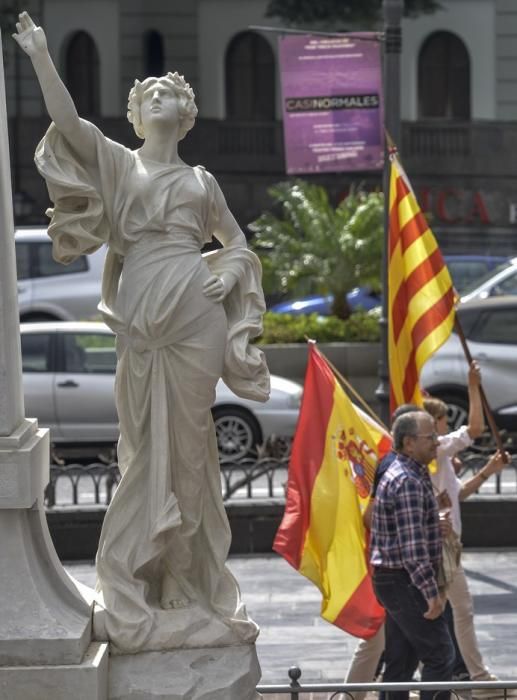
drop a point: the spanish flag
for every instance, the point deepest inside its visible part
(335, 451)
(421, 295)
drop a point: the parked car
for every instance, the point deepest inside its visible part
(360, 297)
(467, 270)
(68, 382)
(499, 281)
(51, 291)
(464, 269)
(490, 326)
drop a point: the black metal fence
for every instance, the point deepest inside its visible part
(263, 476)
(495, 690)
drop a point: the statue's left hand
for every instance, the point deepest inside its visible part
(214, 288)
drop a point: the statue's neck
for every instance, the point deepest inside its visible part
(160, 149)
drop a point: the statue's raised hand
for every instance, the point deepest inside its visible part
(31, 38)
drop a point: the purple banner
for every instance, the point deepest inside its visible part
(332, 103)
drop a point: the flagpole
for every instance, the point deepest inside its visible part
(484, 400)
(392, 10)
(346, 385)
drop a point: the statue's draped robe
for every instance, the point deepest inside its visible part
(173, 344)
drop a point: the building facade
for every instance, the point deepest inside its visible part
(458, 102)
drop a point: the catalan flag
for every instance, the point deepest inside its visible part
(335, 451)
(420, 292)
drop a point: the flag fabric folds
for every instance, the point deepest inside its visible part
(334, 455)
(421, 295)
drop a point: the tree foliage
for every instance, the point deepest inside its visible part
(313, 247)
(344, 11)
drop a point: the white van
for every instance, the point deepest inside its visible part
(51, 291)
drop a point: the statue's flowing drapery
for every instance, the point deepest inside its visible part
(166, 527)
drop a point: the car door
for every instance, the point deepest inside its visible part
(84, 390)
(493, 343)
(38, 379)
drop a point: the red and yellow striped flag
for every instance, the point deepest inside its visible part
(335, 452)
(421, 295)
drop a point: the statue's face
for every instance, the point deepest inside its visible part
(159, 105)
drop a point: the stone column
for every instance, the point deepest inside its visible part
(45, 623)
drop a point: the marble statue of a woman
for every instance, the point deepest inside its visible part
(182, 321)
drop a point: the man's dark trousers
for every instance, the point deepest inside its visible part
(408, 631)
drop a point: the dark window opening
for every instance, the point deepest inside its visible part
(444, 78)
(250, 78)
(82, 73)
(154, 56)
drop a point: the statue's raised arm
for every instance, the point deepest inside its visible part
(58, 101)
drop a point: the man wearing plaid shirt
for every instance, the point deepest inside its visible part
(405, 548)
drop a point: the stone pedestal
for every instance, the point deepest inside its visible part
(45, 622)
(226, 673)
(87, 680)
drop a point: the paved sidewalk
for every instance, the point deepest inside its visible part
(286, 606)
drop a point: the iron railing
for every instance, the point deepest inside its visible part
(263, 476)
(499, 690)
(98, 480)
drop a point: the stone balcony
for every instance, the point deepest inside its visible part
(247, 157)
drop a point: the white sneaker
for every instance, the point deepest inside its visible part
(493, 693)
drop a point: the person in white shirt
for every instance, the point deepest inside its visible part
(445, 479)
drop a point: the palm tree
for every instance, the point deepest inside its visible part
(316, 248)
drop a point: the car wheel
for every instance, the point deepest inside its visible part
(237, 432)
(458, 409)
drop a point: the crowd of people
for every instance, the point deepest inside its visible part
(414, 521)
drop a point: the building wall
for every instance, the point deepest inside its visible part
(474, 22)
(100, 18)
(465, 173)
(213, 43)
(177, 22)
(23, 90)
(506, 59)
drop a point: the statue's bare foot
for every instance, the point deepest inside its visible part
(173, 597)
(175, 604)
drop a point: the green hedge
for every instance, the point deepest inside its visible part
(284, 328)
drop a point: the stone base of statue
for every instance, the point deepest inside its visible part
(224, 673)
(45, 621)
(87, 680)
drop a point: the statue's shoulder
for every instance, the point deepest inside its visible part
(204, 175)
(203, 170)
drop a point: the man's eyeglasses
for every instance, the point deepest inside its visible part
(429, 436)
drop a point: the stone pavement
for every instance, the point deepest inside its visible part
(286, 606)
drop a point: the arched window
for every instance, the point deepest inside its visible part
(444, 78)
(82, 70)
(250, 78)
(153, 54)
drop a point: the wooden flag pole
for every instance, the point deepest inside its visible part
(346, 385)
(484, 401)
